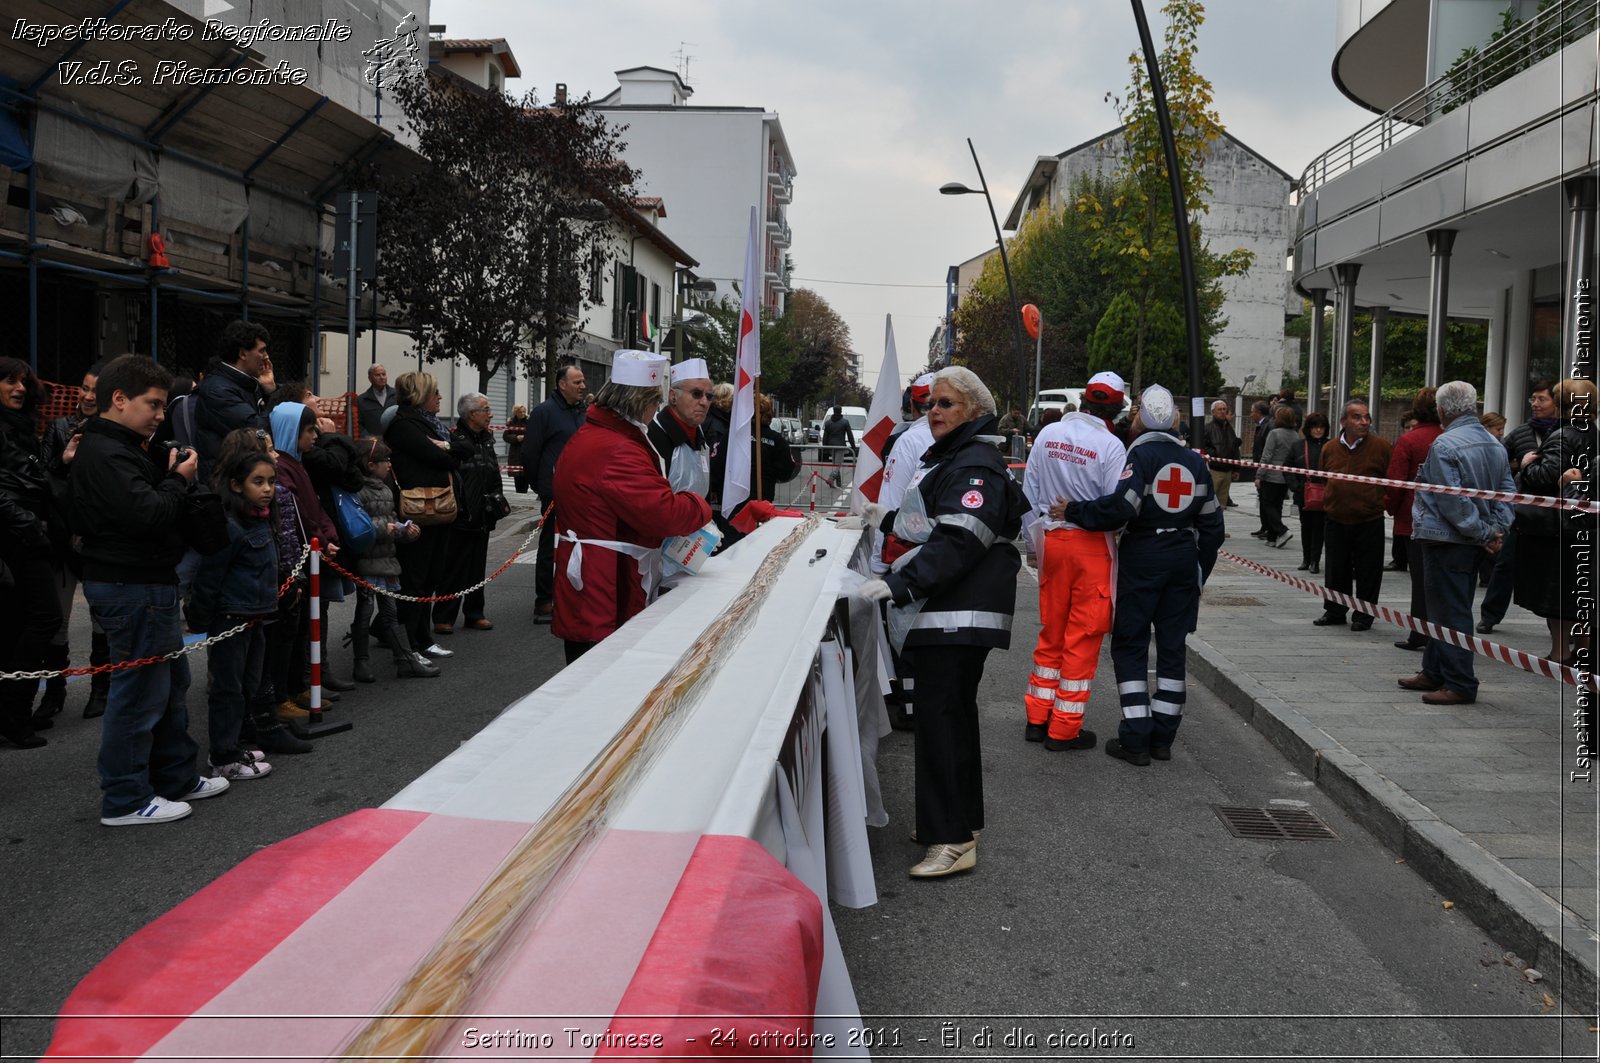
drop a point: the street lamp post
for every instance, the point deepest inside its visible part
(955, 188)
(686, 282)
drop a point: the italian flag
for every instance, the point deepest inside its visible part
(647, 328)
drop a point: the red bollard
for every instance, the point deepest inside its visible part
(315, 727)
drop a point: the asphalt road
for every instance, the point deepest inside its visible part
(74, 890)
(1112, 899)
(1106, 896)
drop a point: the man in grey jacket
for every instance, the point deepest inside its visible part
(1452, 529)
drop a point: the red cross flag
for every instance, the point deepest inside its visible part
(881, 419)
(1173, 487)
(747, 366)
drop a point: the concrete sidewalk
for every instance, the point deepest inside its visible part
(1478, 798)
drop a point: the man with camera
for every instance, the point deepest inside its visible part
(128, 505)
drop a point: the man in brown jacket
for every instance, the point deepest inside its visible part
(1354, 514)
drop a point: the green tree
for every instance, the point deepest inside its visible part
(1137, 237)
(1056, 268)
(488, 241)
(1166, 354)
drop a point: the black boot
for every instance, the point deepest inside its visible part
(55, 690)
(407, 663)
(16, 727)
(361, 652)
(269, 734)
(99, 682)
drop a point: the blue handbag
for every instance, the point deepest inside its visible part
(356, 531)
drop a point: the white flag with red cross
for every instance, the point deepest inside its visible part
(747, 366)
(881, 419)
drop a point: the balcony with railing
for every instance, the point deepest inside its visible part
(1473, 74)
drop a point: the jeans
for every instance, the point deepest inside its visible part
(234, 666)
(1497, 599)
(145, 746)
(1450, 575)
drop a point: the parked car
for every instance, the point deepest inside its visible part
(814, 432)
(789, 428)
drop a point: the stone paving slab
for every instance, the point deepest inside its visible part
(1476, 798)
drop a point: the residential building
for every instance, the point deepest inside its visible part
(713, 164)
(1247, 207)
(143, 216)
(1472, 195)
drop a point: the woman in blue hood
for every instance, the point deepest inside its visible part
(294, 431)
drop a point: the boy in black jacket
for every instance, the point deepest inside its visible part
(127, 505)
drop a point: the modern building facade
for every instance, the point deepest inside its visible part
(712, 164)
(1472, 195)
(1248, 207)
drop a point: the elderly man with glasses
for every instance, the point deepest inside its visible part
(478, 510)
(675, 431)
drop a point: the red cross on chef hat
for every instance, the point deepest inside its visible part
(1157, 410)
(638, 369)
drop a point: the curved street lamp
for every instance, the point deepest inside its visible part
(956, 188)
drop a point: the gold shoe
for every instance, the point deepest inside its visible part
(288, 710)
(947, 860)
(975, 834)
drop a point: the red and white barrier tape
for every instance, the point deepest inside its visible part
(1528, 662)
(1580, 505)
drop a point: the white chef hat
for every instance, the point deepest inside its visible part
(691, 369)
(1157, 409)
(638, 369)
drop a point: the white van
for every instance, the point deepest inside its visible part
(857, 416)
(1059, 399)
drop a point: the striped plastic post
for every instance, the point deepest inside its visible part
(316, 632)
(814, 478)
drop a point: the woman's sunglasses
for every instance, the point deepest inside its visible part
(945, 404)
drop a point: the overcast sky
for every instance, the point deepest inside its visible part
(876, 98)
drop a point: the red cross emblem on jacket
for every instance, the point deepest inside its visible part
(1173, 487)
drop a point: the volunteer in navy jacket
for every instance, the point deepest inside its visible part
(1170, 542)
(951, 599)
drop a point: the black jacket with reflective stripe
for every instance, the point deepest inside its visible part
(965, 574)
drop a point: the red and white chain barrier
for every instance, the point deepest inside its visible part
(1528, 662)
(428, 599)
(1579, 505)
(193, 647)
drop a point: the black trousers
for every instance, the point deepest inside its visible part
(949, 766)
(544, 563)
(422, 567)
(1271, 498)
(465, 560)
(1313, 532)
(31, 618)
(1355, 557)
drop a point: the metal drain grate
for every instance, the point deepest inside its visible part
(1279, 824)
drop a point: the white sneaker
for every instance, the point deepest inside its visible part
(239, 770)
(1283, 540)
(157, 810)
(207, 786)
(437, 650)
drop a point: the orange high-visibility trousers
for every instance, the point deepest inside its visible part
(1075, 610)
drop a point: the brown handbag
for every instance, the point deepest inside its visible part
(427, 506)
